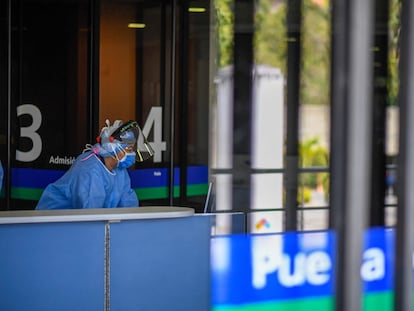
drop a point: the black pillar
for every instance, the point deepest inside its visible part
(405, 212)
(243, 64)
(293, 87)
(378, 162)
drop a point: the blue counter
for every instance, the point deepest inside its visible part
(148, 258)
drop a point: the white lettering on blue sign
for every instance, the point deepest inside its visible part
(314, 268)
(318, 266)
(373, 265)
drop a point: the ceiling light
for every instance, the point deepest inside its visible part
(196, 10)
(136, 25)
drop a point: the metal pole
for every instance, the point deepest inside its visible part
(339, 115)
(107, 267)
(93, 69)
(338, 162)
(242, 107)
(7, 168)
(359, 149)
(405, 210)
(172, 99)
(293, 85)
(377, 210)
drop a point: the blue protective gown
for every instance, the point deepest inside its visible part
(89, 184)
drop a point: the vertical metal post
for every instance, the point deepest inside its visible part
(405, 211)
(377, 210)
(183, 108)
(293, 86)
(93, 69)
(242, 112)
(358, 153)
(172, 98)
(7, 168)
(107, 267)
(339, 115)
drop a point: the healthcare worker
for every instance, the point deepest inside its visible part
(99, 178)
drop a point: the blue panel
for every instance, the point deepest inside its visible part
(378, 260)
(154, 177)
(53, 266)
(34, 178)
(161, 264)
(197, 175)
(141, 178)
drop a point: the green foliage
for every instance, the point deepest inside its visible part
(393, 56)
(270, 42)
(225, 31)
(311, 154)
(304, 195)
(325, 184)
(316, 39)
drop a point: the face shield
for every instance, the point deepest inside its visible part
(131, 136)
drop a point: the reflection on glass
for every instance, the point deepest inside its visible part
(313, 219)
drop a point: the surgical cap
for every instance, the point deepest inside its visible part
(107, 145)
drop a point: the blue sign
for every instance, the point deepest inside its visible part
(280, 268)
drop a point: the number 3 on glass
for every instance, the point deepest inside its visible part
(30, 132)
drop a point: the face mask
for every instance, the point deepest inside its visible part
(127, 161)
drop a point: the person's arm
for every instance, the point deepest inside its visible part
(128, 198)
